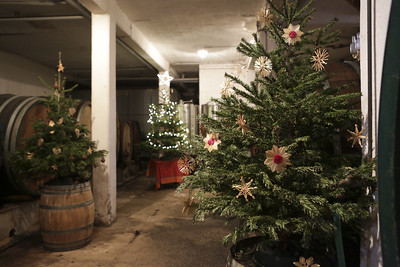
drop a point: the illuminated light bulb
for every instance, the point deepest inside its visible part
(202, 53)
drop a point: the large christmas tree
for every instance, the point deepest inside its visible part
(269, 158)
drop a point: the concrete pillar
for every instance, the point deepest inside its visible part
(104, 116)
(374, 16)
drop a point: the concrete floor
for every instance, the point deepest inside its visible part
(150, 231)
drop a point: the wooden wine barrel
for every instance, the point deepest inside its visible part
(66, 216)
(1, 144)
(16, 115)
(135, 140)
(126, 143)
(84, 115)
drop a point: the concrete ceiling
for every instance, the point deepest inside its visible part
(38, 29)
(180, 28)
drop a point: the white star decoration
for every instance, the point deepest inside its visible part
(164, 78)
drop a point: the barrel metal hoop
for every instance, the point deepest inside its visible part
(7, 140)
(6, 102)
(66, 231)
(67, 245)
(1, 110)
(65, 188)
(66, 207)
(12, 118)
(18, 120)
(76, 191)
(81, 107)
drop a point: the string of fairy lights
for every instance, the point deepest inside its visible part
(165, 115)
(159, 113)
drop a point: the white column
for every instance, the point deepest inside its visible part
(371, 80)
(104, 116)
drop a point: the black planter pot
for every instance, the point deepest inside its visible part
(250, 252)
(253, 252)
(241, 253)
(271, 258)
(266, 256)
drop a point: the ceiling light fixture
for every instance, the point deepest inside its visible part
(202, 53)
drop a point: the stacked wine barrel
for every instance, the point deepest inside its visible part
(128, 133)
(16, 116)
(129, 138)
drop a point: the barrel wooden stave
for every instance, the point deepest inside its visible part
(118, 141)
(16, 115)
(126, 143)
(66, 216)
(84, 115)
(136, 140)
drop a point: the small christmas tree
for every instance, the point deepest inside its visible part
(269, 158)
(60, 149)
(168, 134)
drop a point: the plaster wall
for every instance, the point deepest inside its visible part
(211, 78)
(19, 75)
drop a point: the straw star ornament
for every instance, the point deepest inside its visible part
(277, 158)
(292, 34)
(211, 141)
(242, 124)
(226, 88)
(244, 189)
(241, 71)
(264, 17)
(263, 66)
(189, 205)
(303, 262)
(320, 59)
(60, 66)
(186, 165)
(356, 136)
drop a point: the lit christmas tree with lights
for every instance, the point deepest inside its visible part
(168, 134)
